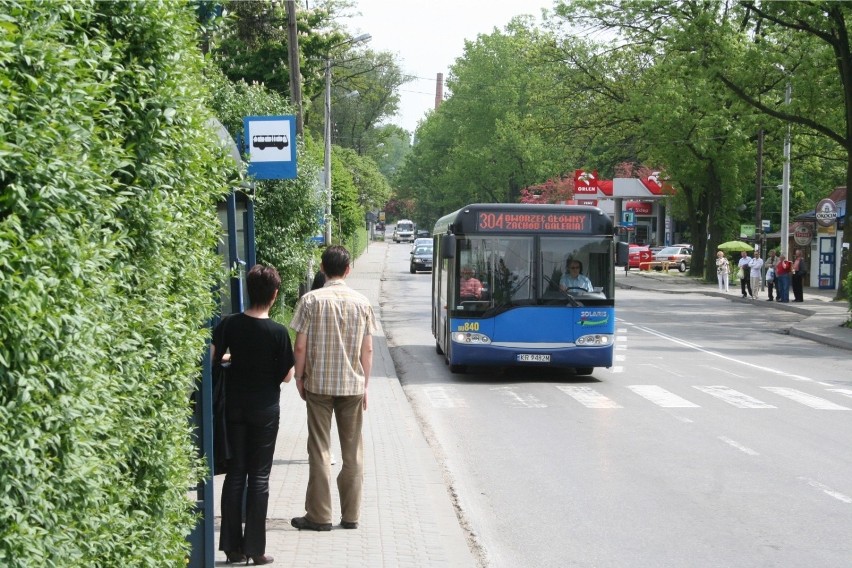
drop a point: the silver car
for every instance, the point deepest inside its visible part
(677, 255)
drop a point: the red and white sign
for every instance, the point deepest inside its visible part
(802, 234)
(639, 207)
(585, 183)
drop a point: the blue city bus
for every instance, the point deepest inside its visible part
(515, 313)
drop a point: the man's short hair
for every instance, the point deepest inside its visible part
(335, 261)
(261, 284)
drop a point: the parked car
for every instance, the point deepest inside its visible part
(637, 255)
(421, 258)
(422, 233)
(677, 255)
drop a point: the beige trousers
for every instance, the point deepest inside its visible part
(349, 413)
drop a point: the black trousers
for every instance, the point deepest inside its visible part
(798, 292)
(745, 284)
(251, 434)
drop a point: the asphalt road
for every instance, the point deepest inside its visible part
(713, 441)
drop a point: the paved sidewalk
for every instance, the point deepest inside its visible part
(407, 516)
(823, 317)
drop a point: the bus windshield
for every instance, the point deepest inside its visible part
(500, 271)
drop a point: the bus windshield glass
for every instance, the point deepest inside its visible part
(501, 271)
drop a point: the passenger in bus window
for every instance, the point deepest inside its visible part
(574, 279)
(470, 288)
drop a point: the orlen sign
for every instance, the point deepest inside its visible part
(585, 183)
(826, 213)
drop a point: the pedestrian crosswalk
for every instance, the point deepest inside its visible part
(536, 395)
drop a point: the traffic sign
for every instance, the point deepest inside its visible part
(270, 142)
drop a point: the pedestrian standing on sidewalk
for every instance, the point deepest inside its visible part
(755, 273)
(334, 357)
(770, 263)
(261, 358)
(723, 271)
(744, 274)
(800, 271)
(782, 278)
(319, 280)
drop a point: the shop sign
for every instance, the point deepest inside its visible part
(826, 213)
(802, 235)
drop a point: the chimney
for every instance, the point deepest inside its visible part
(439, 90)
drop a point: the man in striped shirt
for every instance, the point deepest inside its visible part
(334, 356)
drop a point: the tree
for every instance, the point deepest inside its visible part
(805, 45)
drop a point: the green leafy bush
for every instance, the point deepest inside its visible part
(108, 184)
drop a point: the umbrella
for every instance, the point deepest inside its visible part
(735, 246)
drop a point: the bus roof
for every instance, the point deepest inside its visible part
(525, 218)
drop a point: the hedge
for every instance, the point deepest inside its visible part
(108, 184)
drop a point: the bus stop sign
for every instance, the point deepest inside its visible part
(270, 142)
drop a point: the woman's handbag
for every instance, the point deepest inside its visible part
(770, 275)
(741, 273)
(221, 449)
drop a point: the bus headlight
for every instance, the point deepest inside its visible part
(596, 339)
(468, 337)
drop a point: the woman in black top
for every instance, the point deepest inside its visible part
(261, 358)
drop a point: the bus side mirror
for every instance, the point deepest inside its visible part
(622, 253)
(448, 246)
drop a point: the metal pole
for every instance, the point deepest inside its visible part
(295, 72)
(785, 185)
(327, 153)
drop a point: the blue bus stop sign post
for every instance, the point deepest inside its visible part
(270, 142)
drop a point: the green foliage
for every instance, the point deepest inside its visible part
(347, 213)
(108, 183)
(287, 212)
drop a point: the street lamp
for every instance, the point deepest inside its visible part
(327, 133)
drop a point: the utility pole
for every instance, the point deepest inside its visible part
(295, 70)
(758, 193)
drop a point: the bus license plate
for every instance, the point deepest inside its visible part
(533, 358)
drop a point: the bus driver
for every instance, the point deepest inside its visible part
(470, 288)
(574, 278)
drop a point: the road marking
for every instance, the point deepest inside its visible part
(727, 372)
(739, 446)
(844, 392)
(735, 398)
(620, 357)
(827, 490)
(589, 397)
(621, 338)
(806, 399)
(662, 397)
(719, 355)
(616, 369)
(519, 400)
(444, 397)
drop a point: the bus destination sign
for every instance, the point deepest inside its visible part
(534, 222)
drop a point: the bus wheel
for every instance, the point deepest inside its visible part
(438, 349)
(584, 370)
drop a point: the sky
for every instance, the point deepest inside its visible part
(427, 36)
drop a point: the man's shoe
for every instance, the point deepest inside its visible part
(302, 523)
(349, 524)
(768, 299)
